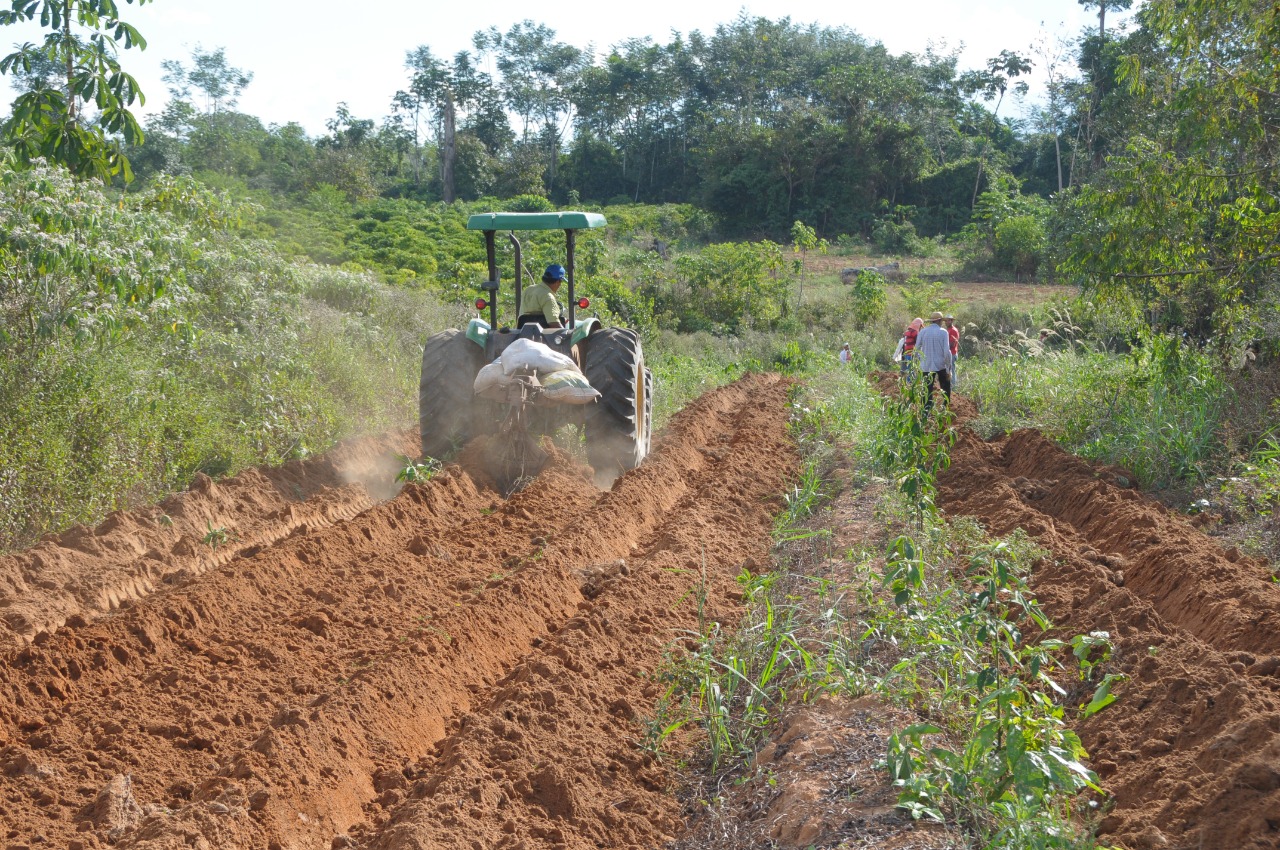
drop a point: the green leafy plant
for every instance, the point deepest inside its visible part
(1008, 767)
(47, 122)
(868, 297)
(914, 447)
(217, 537)
(417, 471)
(922, 297)
(731, 686)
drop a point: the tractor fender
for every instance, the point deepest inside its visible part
(583, 329)
(478, 331)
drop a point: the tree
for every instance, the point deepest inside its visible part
(211, 75)
(1105, 6)
(993, 83)
(1184, 219)
(49, 122)
(803, 240)
(538, 76)
(441, 89)
(629, 101)
(1051, 118)
(211, 136)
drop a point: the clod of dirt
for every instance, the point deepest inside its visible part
(116, 811)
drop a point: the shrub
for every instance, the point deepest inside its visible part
(529, 203)
(923, 297)
(869, 298)
(735, 285)
(895, 237)
(1019, 244)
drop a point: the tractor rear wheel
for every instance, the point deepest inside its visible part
(447, 409)
(618, 425)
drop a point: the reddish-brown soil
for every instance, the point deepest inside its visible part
(446, 669)
(86, 572)
(1191, 751)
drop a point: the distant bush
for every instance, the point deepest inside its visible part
(733, 285)
(895, 237)
(869, 298)
(1019, 244)
(528, 203)
(923, 297)
(1008, 232)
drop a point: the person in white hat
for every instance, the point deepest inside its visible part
(934, 347)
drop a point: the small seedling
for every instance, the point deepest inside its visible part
(216, 537)
(418, 471)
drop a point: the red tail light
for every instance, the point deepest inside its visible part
(481, 304)
(583, 303)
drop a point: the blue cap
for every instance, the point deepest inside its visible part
(555, 271)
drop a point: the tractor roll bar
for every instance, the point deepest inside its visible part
(519, 272)
(491, 285)
(570, 242)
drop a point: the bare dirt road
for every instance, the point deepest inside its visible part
(445, 669)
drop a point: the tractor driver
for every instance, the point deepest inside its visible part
(538, 302)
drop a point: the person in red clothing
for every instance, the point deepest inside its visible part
(909, 346)
(949, 322)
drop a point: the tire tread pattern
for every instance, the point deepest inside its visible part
(447, 412)
(614, 436)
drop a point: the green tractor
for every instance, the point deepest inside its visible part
(616, 425)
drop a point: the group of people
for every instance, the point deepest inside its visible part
(931, 347)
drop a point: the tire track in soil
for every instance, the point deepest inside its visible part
(1191, 750)
(288, 697)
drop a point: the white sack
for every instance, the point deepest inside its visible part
(527, 354)
(491, 377)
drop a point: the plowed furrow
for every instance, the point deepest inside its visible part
(551, 757)
(216, 668)
(277, 699)
(87, 572)
(1191, 751)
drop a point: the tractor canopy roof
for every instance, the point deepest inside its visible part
(535, 221)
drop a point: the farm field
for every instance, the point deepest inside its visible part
(297, 658)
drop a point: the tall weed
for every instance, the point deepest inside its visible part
(1157, 411)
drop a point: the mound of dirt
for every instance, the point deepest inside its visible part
(1191, 750)
(445, 669)
(84, 572)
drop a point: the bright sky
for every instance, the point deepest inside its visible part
(308, 57)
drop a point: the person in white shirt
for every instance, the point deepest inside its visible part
(846, 356)
(933, 347)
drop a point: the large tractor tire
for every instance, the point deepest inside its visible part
(618, 424)
(448, 414)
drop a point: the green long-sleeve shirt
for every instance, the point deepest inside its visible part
(540, 299)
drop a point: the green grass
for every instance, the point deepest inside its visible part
(1157, 411)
